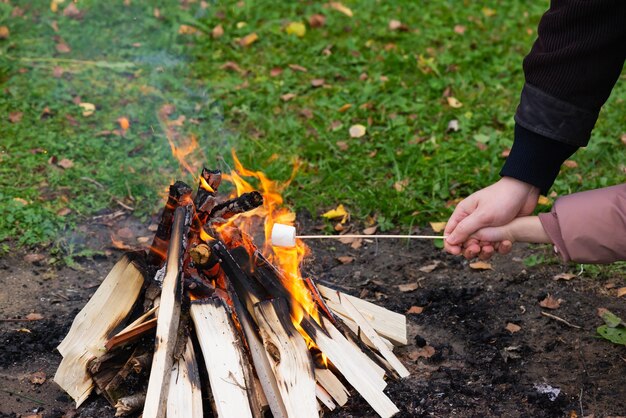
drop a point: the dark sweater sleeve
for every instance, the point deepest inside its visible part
(570, 72)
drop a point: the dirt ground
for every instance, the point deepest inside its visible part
(463, 360)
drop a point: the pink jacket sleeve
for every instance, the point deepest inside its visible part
(589, 227)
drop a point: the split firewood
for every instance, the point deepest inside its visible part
(208, 184)
(185, 395)
(333, 385)
(324, 398)
(126, 381)
(168, 319)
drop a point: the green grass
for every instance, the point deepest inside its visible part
(401, 102)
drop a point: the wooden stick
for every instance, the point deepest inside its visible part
(549, 315)
(372, 236)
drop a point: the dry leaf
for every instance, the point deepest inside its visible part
(543, 200)
(63, 48)
(397, 25)
(454, 102)
(564, 276)
(15, 117)
(460, 29)
(37, 378)
(338, 212)
(356, 244)
(296, 28)
(307, 113)
(317, 21)
(345, 107)
(217, 32)
(430, 267)
(64, 211)
(481, 265)
(400, 185)
(57, 72)
(415, 310)
(249, 39)
(34, 258)
(371, 230)
(20, 201)
(276, 71)
(125, 233)
(343, 145)
(296, 67)
(488, 12)
(288, 96)
(345, 259)
(409, 287)
(65, 163)
(621, 292)
(340, 8)
(187, 30)
(72, 12)
(232, 66)
(550, 302)
(357, 131)
(4, 32)
(453, 126)
(120, 245)
(153, 227)
(144, 240)
(88, 108)
(623, 139)
(437, 226)
(570, 164)
(512, 328)
(34, 316)
(317, 82)
(124, 123)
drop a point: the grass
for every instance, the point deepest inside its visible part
(406, 170)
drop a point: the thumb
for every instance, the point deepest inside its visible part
(465, 228)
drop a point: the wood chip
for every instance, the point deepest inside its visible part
(512, 328)
(409, 287)
(481, 265)
(550, 302)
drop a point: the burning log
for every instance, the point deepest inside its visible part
(232, 207)
(209, 182)
(168, 319)
(185, 396)
(104, 312)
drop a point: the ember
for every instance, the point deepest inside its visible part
(209, 319)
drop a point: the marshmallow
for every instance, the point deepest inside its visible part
(283, 235)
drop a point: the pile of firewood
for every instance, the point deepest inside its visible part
(206, 322)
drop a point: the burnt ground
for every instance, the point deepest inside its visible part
(463, 360)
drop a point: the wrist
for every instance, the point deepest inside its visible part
(527, 229)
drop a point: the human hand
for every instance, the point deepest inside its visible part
(492, 206)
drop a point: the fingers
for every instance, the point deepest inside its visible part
(466, 227)
(505, 247)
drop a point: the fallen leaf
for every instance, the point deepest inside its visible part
(415, 310)
(340, 8)
(153, 227)
(488, 12)
(342, 145)
(37, 378)
(460, 29)
(345, 259)
(335, 125)
(317, 82)
(307, 113)
(481, 265)
(317, 20)
(430, 267)
(64, 211)
(397, 25)
(437, 226)
(371, 230)
(34, 316)
(144, 240)
(232, 66)
(570, 164)
(57, 72)
(4, 32)
(400, 185)
(609, 318)
(120, 245)
(288, 96)
(296, 28)
(512, 328)
(24, 330)
(124, 123)
(621, 292)
(72, 12)
(187, 30)
(249, 39)
(296, 67)
(15, 117)
(20, 200)
(409, 287)
(550, 302)
(543, 200)
(623, 139)
(453, 126)
(65, 163)
(34, 258)
(276, 71)
(217, 32)
(63, 48)
(88, 108)
(345, 107)
(339, 212)
(357, 131)
(564, 276)
(454, 102)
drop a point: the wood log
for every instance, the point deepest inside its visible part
(388, 324)
(208, 183)
(332, 385)
(289, 357)
(232, 207)
(104, 312)
(129, 404)
(223, 356)
(324, 398)
(185, 396)
(352, 367)
(168, 318)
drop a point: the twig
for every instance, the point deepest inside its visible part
(580, 402)
(90, 180)
(549, 315)
(125, 206)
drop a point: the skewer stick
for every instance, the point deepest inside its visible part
(372, 236)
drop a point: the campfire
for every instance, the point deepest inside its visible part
(209, 320)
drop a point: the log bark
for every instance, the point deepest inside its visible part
(288, 356)
(232, 207)
(168, 318)
(129, 404)
(185, 395)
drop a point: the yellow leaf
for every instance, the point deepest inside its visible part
(88, 108)
(438, 226)
(124, 123)
(357, 131)
(345, 107)
(296, 28)
(401, 185)
(488, 12)
(621, 292)
(54, 5)
(249, 39)
(481, 265)
(454, 102)
(4, 32)
(543, 201)
(338, 212)
(187, 30)
(20, 201)
(340, 8)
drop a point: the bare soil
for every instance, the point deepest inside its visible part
(463, 360)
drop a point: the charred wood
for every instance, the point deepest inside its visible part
(230, 208)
